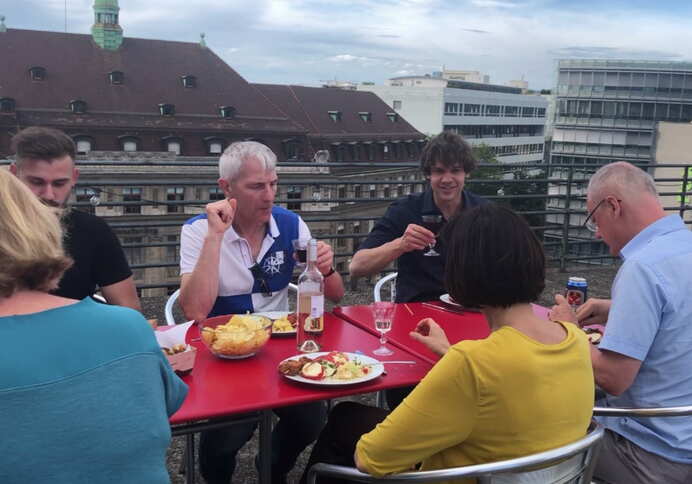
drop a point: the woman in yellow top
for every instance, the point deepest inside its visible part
(526, 388)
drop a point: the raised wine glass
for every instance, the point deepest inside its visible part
(383, 312)
(433, 223)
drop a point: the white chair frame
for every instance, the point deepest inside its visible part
(642, 412)
(574, 462)
(168, 309)
(389, 278)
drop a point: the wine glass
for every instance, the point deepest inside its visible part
(433, 223)
(383, 311)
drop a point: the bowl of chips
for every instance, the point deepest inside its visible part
(237, 336)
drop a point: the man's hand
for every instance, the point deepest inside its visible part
(220, 215)
(562, 311)
(325, 257)
(593, 311)
(431, 335)
(415, 238)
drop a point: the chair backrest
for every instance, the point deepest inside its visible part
(389, 278)
(168, 309)
(642, 412)
(99, 298)
(572, 463)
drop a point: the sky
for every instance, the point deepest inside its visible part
(310, 41)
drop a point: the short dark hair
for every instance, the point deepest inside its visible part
(450, 149)
(493, 258)
(38, 143)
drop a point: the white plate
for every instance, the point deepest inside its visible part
(376, 367)
(447, 299)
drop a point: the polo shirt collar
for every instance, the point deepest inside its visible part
(272, 231)
(662, 226)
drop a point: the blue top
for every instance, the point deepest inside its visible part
(651, 320)
(420, 278)
(85, 396)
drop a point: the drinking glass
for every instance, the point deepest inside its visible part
(300, 248)
(383, 312)
(433, 223)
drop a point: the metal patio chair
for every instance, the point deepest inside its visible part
(389, 278)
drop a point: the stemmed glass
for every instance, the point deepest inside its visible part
(433, 223)
(383, 312)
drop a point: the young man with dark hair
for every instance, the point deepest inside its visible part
(44, 162)
(399, 235)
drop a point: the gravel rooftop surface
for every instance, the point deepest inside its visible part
(599, 280)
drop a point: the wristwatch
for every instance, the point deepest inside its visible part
(331, 271)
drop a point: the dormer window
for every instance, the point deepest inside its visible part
(116, 77)
(227, 112)
(335, 115)
(214, 145)
(167, 109)
(393, 117)
(37, 73)
(129, 143)
(7, 105)
(366, 116)
(173, 144)
(84, 144)
(189, 81)
(78, 107)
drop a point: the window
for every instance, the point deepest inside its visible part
(294, 193)
(37, 73)
(492, 110)
(7, 105)
(116, 77)
(528, 112)
(175, 194)
(167, 109)
(215, 193)
(540, 112)
(341, 192)
(472, 109)
(214, 145)
(358, 192)
(134, 254)
(451, 109)
(83, 145)
(131, 195)
(334, 115)
(173, 146)
(341, 241)
(365, 116)
(291, 148)
(78, 107)
(189, 81)
(511, 111)
(393, 117)
(396, 105)
(172, 251)
(84, 195)
(129, 144)
(227, 112)
(373, 191)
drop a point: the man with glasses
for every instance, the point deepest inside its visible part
(645, 356)
(238, 257)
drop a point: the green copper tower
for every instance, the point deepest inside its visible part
(106, 30)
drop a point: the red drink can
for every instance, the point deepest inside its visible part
(576, 292)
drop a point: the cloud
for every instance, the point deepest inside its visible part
(476, 31)
(493, 4)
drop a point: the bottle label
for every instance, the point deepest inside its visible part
(316, 306)
(308, 287)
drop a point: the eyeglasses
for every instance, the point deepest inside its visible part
(259, 276)
(591, 224)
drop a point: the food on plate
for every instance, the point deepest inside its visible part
(335, 365)
(175, 349)
(594, 335)
(287, 324)
(243, 334)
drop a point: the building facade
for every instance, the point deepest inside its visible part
(498, 116)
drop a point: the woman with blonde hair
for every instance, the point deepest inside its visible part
(85, 392)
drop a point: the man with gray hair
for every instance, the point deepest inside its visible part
(645, 356)
(238, 257)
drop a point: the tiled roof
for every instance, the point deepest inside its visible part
(76, 68)
(310, 106)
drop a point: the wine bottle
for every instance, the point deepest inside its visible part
(310, 310)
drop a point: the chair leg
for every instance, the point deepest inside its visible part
(189, 458)
(380, 400)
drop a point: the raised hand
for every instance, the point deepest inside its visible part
(431, 335)
(562, 311)
(220, 215)
(415, 238)
(325, 257)
(593, 311)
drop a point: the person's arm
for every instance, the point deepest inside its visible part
(122, 293)
(370, 261)
(612, 371)
(199, 289)
(431, 335)
(439, 413)
(333, 284)
(593, 311)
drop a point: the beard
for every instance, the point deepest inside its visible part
(61, 210)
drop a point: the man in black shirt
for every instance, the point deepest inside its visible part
(45, 163)
(399, 235)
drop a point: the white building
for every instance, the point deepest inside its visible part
(497, 116)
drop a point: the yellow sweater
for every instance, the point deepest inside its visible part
(502, 397)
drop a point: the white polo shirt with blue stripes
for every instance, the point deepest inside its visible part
(239, 289)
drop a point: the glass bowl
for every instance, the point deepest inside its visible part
(235, 336)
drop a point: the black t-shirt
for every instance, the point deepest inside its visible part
(420, 278)
(98, 258)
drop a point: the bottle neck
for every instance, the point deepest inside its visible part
(312, 254)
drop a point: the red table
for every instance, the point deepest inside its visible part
(223, 388)
(458, 326)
